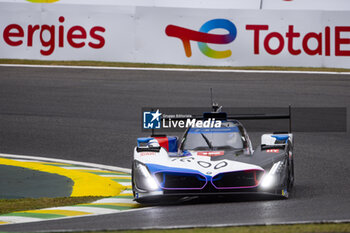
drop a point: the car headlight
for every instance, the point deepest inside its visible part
(143, 178)
(269, 179)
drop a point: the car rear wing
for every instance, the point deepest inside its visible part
(225, 116)
(266, 117)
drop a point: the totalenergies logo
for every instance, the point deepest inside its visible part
(54, 36)
(203, 37)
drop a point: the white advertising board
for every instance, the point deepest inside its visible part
(215, 37)
(208, 4)
(326, 5)
(61, 32)
(263, 38)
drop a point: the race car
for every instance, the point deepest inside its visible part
(213, 161)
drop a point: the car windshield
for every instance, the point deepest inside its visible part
(225, 138)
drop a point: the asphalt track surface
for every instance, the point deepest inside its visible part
(95, 116)
(19, 182)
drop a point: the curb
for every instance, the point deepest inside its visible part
(114, 183)
(87, 182)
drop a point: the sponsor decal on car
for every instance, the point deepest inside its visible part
(273, 151)
(211, 153)
(147, 153)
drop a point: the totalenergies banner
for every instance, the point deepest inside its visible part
(188, 36)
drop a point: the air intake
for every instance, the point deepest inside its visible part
(235, 180)
(180, 181)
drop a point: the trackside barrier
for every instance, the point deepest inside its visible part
(170, 35)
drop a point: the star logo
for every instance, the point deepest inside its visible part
(155, 115)
(151, 120)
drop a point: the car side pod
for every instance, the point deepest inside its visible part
(276, 139)
(169, 143)
(282, 172)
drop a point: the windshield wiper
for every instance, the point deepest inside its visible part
(207, 141)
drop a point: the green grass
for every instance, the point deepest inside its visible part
(298, 228)
(12, 205)
(145, 65)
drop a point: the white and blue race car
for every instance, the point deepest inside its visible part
(213, 161)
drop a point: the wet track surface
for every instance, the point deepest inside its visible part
(95, 116)
(19, 182)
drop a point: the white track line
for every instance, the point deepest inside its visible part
(95, 165)
(82, 168)
(88, 210)
(239, 224)
(127, 192)
(125, 183)
(18, 219)
(10, 218)
(175, 69)
(116, 200)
